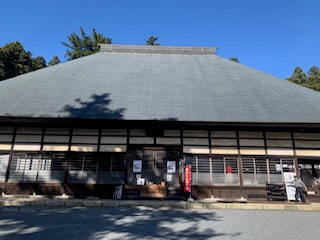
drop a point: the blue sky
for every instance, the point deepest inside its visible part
(273, 36)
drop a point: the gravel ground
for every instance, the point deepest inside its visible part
(147, 223)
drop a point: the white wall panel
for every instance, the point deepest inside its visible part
(84, 148)
(252, 142)
(29, 131)
(138, 132)
(55, 147)
(260, 151)
(5, 138)
(141, 140)
(278, 135)
(5, 146)
(114, 132)
(85, 132)
(28, 138)
(279, 143)
(56, 139)
(280, 152)
(306, 136)
(196, 150)
(85, 139)
(58, 131)
(6, 130)
(224, 142)
(310, 153)
(195, 141)
(113, 140)
(171, 133)
(231, 151)
(195, 133)
(307, 144)
(113, 148)
(223, 134)
(250, 134)
(167, 141)
(27, 147)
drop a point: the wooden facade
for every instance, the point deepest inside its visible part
(227, 161)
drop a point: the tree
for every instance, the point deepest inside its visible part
(314, 74)
(98, 38)
(234, 59)
(298, 76)
(2, 70)
(152, 41)
(54, 61)
(312, 80)
(80, 46)
(15, 60)
(38, 63)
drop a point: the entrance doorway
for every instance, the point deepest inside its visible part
(153, 166)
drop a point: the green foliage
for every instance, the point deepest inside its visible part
(314, 74)
(152, 41)
(298, 76)
(54, 61)
(312, 80)
(15, 60)
(2, 70)
(234, 59)
(38, 63)
(83, 45)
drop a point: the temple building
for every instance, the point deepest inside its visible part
(134, 115)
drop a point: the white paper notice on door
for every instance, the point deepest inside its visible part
(171, 166)
(137, 166)
(140, 181)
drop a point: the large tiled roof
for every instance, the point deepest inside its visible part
(158, 83)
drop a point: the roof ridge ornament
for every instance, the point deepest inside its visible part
(157, 49)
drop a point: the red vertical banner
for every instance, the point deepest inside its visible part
(187, 178)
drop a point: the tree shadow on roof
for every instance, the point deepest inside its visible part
(96, 108)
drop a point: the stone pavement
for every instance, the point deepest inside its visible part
(170, 204)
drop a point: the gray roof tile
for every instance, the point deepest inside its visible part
(145, 86)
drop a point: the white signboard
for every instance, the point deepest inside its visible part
(137, 166)
(141, 181)
(288, 179)
(169, 177)
(278, 167)
(171, 166)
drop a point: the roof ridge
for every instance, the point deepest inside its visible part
(157, 49)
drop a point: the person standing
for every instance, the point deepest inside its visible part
(299, 186)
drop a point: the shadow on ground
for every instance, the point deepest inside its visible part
(107, 223)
